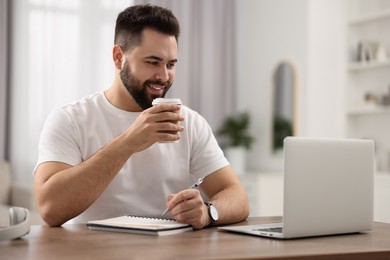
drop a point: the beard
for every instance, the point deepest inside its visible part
(138, 90)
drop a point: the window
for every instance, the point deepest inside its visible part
(61, 52)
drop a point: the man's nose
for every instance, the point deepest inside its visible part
(162, 74)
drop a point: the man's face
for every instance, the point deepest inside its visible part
(149, 68)
(139, 90)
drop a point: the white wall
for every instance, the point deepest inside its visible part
(324, 110)
(310, 35)
(269, 31)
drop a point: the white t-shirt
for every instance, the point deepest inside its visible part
(75, 132)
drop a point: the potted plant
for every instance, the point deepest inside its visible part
(282, 128)
(236, 139)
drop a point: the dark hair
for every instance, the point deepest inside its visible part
(131, 22)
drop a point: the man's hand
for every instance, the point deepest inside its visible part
(188, 207)
(155, 124)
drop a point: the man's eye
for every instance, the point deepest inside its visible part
(170, 65)
(152, 62)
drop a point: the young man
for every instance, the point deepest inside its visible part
(104, 156)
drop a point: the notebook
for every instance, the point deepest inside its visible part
(328, 189)
(140, 225)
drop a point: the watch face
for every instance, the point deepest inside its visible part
(213, 212)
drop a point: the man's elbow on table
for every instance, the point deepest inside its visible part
(52, 216)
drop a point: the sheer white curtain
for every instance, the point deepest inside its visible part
(61, 52)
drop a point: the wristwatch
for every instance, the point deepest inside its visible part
(213, 213)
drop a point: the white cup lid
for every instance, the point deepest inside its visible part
(166, 101)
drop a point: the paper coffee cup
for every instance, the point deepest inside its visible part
(168, 101)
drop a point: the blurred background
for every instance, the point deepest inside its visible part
(304, 67)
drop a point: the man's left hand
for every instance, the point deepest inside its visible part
(187, 206)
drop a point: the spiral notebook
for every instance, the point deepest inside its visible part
(140, 225)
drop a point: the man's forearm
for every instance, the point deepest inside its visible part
(232, 204)
(65, 194)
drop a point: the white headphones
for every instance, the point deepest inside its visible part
(19, 224)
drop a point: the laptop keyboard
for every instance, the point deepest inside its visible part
(271, 229)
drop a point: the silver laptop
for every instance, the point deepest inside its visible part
(328, 189)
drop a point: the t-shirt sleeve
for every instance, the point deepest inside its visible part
(206, 155)
(58, 140)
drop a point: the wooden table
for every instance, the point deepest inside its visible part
(77, 242)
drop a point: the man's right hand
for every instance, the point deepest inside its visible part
(155, 124)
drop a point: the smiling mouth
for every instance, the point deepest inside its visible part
(156, 89)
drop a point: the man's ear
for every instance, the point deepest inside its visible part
(117, 56)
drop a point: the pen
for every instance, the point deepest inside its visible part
(193, 186)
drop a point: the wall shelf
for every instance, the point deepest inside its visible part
(372, 17)
(368, 110)
(359, 66)
(366, 31)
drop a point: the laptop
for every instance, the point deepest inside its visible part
(328, 189)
